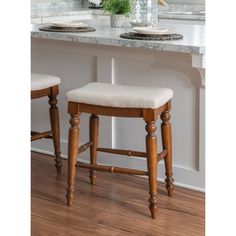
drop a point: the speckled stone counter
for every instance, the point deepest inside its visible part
(193, 15)
(188, 15)
(179, 15)
(60, 12)
(193, 41)
(70, 8)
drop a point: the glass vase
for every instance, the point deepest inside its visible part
(144, 13)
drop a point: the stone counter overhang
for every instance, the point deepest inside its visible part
(192, 42)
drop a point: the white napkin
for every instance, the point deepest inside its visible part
(96, 2)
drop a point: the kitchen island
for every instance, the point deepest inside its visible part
(80, 58)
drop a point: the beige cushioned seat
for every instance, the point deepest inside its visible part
(111, 95)
(42, 81)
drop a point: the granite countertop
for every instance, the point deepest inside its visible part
(192, 42)
(189, 15)
(177, 15)
(59, 12)
(182, 15)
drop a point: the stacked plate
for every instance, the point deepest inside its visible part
(71, 24)
(152, 31)
(159, 33)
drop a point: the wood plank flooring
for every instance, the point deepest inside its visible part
(115, 206)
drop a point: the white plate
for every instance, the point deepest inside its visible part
(151, 31)
(71, 24)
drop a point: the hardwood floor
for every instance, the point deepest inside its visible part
(117, 205)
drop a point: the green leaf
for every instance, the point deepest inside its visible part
(117, 6)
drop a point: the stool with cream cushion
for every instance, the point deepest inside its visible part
(47, 85)
(121, 101)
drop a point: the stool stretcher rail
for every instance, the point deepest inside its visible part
(129, 153)
(111, 169)
(38, 135)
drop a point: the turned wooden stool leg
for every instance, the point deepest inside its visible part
(151, 149)
(93, 136)
(73, 146)
(167, 144)
(54, 120)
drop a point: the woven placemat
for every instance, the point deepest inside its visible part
(66, 29)
(160, 37)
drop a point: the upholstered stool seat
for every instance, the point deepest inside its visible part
(48, 85)
(148, 103)
(111, 95)
(41, 81)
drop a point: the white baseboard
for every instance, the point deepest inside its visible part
(162, 180)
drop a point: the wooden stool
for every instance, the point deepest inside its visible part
(121, 101)
(47, 85)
